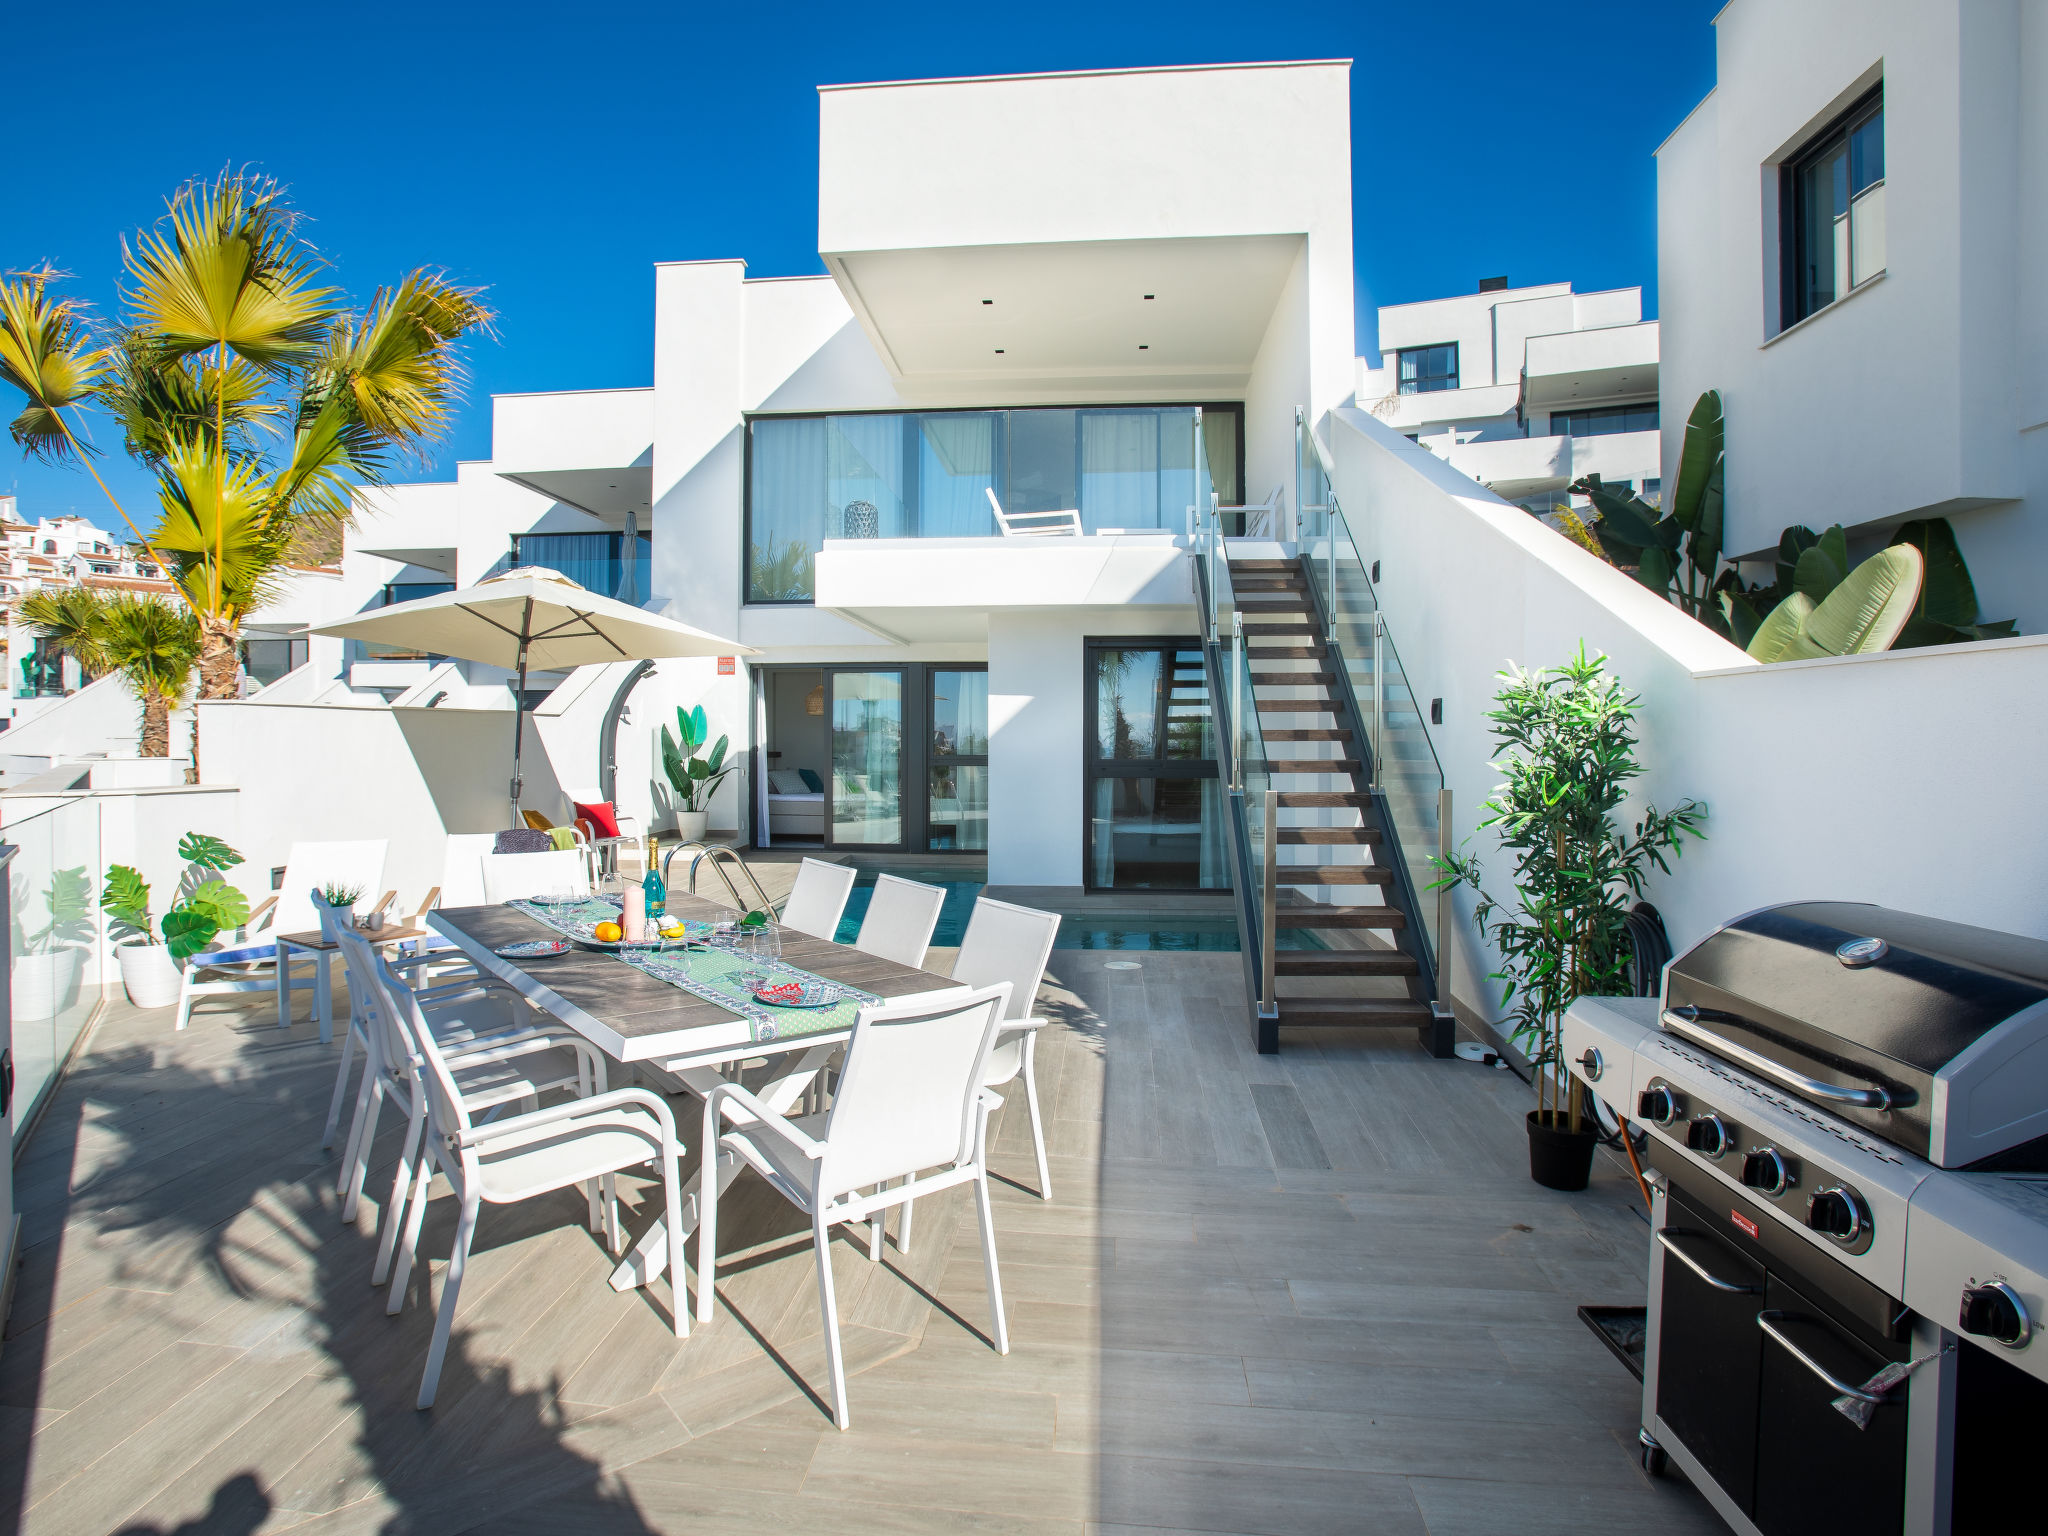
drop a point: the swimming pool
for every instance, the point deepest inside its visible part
(1183, 932)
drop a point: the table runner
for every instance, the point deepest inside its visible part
(715, 975)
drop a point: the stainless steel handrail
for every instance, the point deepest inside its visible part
(720, 856)
(1693, 1264)
(1684, 1021)
(1766, 1319)
(1270, 894)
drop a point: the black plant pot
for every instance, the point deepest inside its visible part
(1559, 1157)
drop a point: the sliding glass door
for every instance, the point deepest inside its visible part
(866, 799)
(1155, 811)
(958, 815)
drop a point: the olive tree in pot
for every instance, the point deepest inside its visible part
(691, 775)
(1568, 753)
(151, 953)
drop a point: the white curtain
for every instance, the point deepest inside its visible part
(956, 468)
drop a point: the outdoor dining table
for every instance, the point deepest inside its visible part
(634, 1017)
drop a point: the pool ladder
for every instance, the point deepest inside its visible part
(721, 857)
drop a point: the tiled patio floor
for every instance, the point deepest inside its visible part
(1312, 1293)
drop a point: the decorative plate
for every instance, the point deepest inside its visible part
(797, 994)
(534, 949)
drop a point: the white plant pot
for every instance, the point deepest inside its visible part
(690, 825)
(42, 986)
(148, 973)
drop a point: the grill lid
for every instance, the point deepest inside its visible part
(1859, 996)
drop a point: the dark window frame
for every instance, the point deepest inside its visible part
(934, 759)
(1436, 383)
(1792, 248)
(747, 420)
(1094, 767)
(1606, 413)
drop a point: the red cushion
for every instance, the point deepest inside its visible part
(600, 816)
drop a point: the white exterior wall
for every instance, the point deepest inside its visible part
(1923, 392)
(1811, 786)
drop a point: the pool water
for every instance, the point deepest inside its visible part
(1190, 932)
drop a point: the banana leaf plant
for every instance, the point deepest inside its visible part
(692, 776)
(206, 905)
(1678, 557)
(1833, 612)
(1946, 613)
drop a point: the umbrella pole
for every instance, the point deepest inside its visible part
(519, 712)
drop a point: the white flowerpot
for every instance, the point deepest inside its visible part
(690, 825)
(148, 973)
(42, 986)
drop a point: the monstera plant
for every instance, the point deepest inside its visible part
(152, 951)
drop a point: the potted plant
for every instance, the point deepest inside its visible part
(692, 776)
(1569, 741)
(342, 899)
(47, 961)
(150, 955)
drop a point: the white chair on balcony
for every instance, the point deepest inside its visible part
(248, 962)
(1064, 524)
(522, 876)
(518, 1157)
(900, 918)
(818, 899)
(909, 1099)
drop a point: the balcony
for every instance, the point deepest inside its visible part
(1513, 467)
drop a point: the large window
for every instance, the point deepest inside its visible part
(1424, 370)
(1599, 421)
(1154, 803)
(595, 561)
(1833, 202)
(959, 762)
(893, 475)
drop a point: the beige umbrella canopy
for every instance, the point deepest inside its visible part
(530, 617)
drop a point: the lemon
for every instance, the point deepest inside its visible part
(673, 929)
(609, 933)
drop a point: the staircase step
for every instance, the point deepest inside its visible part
(1333, 874)
(1303, 627)
(1323, 799)
(1277, 566)
(1338, 837)
(1315, 765)
(1339, 734)
(1289, 653)
(1343, 962)
(1353, 1012)
(1294, 707)
(1319, 915)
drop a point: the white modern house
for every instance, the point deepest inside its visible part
(1852, 229)
(1524, 389)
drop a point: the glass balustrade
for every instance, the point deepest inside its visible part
(56, 955)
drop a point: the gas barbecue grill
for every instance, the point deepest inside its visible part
(1848, 1115)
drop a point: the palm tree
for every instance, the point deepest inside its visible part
(150, 640)
(257, 400)
(71, 620)
(153, 643)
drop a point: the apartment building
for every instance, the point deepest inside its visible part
(817, 470)
(1851, 232)
(1524, 389)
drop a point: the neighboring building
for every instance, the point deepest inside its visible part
(814, 461)
(1524, 389)
(1852, 229)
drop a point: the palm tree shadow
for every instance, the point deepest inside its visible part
(215, 1176)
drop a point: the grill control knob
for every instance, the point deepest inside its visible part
(1709, 1134)
(1764, 1169)
(1659, 1104)
(1838, 1213)
(1994, 1311)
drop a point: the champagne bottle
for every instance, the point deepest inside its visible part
(652, 887)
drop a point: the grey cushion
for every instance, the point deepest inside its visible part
(522, 840)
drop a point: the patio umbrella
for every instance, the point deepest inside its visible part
(530, 617)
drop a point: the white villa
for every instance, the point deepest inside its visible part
(1524, 389)
(1073, 561)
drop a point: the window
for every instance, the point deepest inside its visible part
(1153, 801)
(593, 560)
(1599, 421)
(1424, 370)
(894, 475)
(959, 761)
(1832, 202)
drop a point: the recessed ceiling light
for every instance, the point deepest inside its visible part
(1148, 295)
(988, 301)
(999, 351)
(1142, 347)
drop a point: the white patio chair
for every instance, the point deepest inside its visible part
(909, 1098)
(631, 833)
(900, 918)
(462, 871)
(818, 899)
(248, 961)
(1035, 525)
(519, 1157)
(521, 876)
(1013, 944)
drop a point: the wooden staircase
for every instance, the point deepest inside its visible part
(1334, 885)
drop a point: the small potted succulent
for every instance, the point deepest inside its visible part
(151, 952)
(342, 899)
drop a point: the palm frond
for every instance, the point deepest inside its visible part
(399, 366)
(225, 268)
(72, 620)
(46, 352)
(214, 528)
(158, 398)
(152, 641)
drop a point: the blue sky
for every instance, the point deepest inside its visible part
(554, 153)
